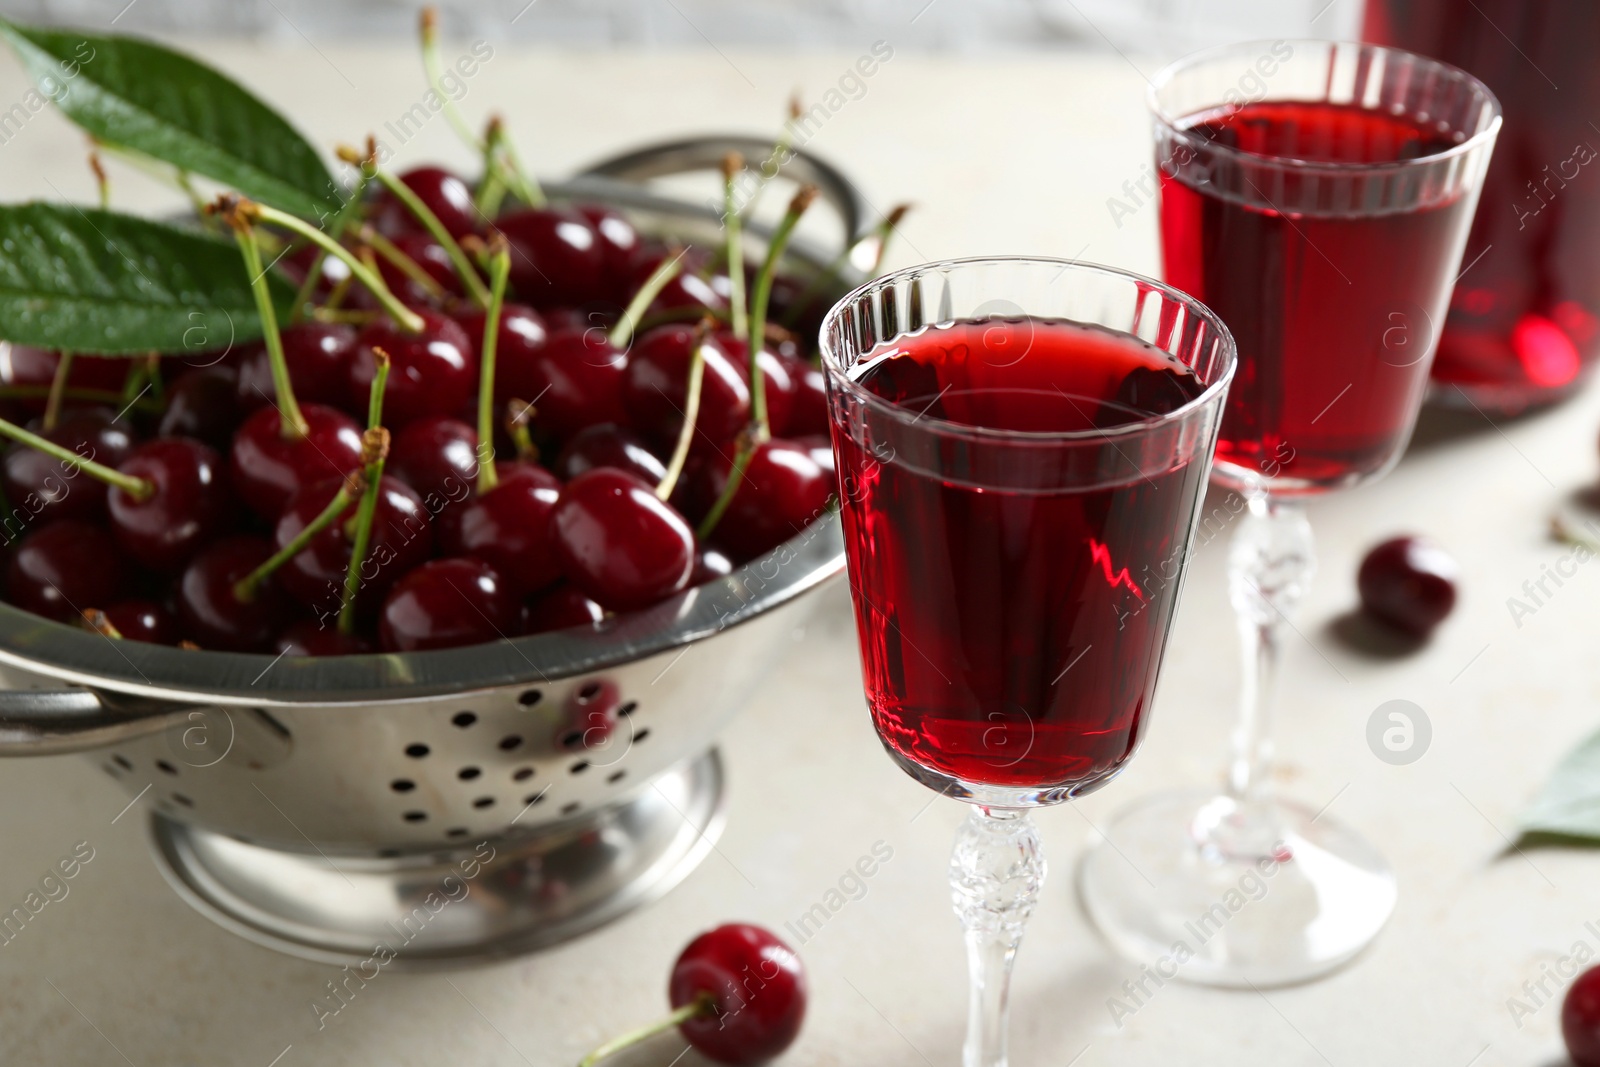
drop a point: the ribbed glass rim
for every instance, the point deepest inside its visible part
(832, 361)
(1165, 76)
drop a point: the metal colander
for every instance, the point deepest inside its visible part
(452, 805)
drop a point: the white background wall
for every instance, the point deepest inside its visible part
(1147, 26)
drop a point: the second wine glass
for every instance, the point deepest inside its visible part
(1323, 218)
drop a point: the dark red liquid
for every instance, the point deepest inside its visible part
(1522, 324)
(1331, 311)
(1013, 638)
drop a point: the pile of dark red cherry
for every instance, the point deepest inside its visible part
(573, 527)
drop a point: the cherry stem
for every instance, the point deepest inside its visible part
(429, 32)
(782, 146)
(741, 461)
(518, 414)
(732, 166)
(699, 1007)
(352, 207)
(58, 388)
(408, 320)
(98, 621)
(622, 332)
(102, 180)
(452, 248)
(374, 450)
(499, 270)
(880, 233)
(245, 589)
(134, 486)
(691, 413)
(292, 423)
(491, 191)
(401, 262)
(758, 315)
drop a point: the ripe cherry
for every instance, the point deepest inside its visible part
(295, 265)
(755, 989)
(438, 457)
(618, 543)
(1408, 582)
(520, 341)
(433, 372)
(45, 488)
(203, 403)
(1580, 1019)
(808, 408)
(556, 257)
(687, 290)
(318, 356)
(65, 568)
(507, 527)
(268, 467)
(782, 491)
(709, 565)
(579, 375)
(210, 612)
(446, 195)
(23, 366)
(191, 505)
(446, 603)
(308, 637)
(561, 608)
(426, 253)
(655, 388)
(143, 620)
(776, 377)
(401, 540)
(607, 445)
(619, 243)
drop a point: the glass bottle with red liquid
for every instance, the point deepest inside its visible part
(1317, 197)
(1524, 324)
(1022, 448)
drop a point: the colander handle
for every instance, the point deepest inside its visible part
(706, 153)
(45, 722)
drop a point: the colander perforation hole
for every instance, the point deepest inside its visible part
(483, 802)
(641, 735)
(111, 769)
(415, 816)
(464, 719)
(122, 761)
(522, 774)
(165, 768)
(589, 692)
(417, 750)
(616, 776)
(181, 799)
(402, 785)
(572, 739)
(628, 709)
(579, 767)
(467, 774)
(456, 831)
(510, 741)
(533, 798)
(569, 807)
(529, 697)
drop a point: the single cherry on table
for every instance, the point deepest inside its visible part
(1409, 583)
(738, 995)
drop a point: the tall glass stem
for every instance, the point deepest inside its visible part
(1269, 570)
(996, 871)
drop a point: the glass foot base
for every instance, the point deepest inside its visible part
(1205, 888)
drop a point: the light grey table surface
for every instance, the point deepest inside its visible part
(1000, 155)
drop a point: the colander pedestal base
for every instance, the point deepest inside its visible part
(474, 903)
